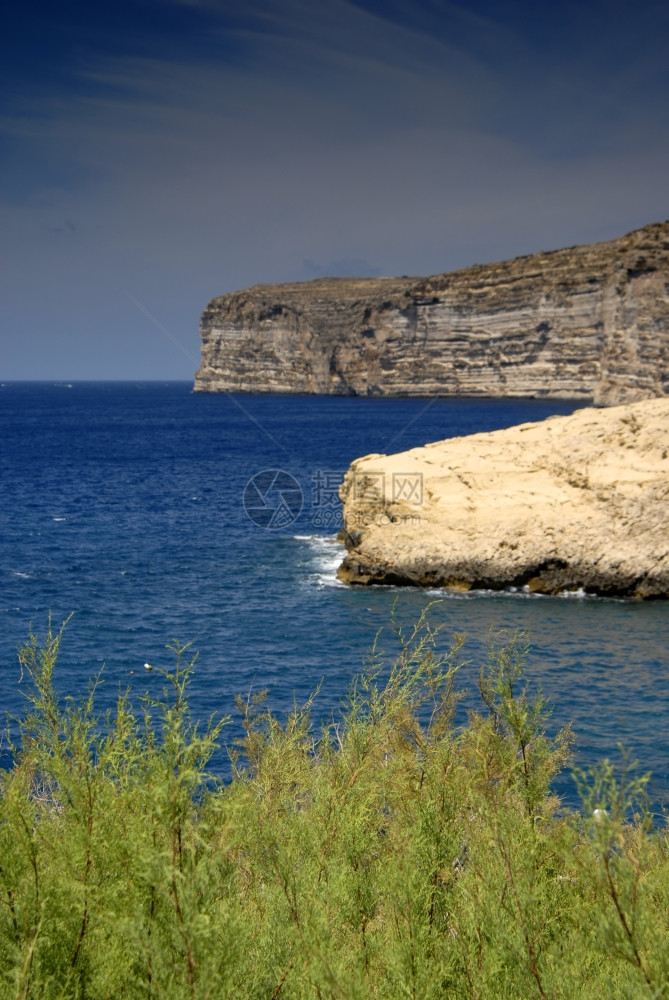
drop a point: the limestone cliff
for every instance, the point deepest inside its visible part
(577, 502)
(588, 322)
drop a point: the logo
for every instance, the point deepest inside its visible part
(408, 486)
(273, 499)
(369, 486)
(372, 487)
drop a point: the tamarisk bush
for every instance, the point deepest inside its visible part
(389, 854)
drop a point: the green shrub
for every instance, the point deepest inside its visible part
(391, 854)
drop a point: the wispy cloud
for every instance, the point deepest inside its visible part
(293, 139)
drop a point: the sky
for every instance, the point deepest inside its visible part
(157, 153)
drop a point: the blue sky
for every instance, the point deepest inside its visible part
(155, 153)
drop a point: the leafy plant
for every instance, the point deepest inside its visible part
(389, 854)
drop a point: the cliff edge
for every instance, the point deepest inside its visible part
(589, 322)
(569, 503)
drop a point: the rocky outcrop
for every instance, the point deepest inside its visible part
(570, 503)
(589, 322)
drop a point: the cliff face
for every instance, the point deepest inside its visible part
(587, 322)
(578, 502)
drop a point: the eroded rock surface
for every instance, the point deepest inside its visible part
(569, 503)
(589, 322)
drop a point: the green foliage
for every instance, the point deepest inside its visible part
(390, 855)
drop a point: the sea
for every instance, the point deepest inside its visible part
(153, 515)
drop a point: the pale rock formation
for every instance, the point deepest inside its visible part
(569, 503)
(588, 322)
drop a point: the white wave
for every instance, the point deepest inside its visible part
(59, 519)
(324, 557)
(24, 576)
(516, 593)
(320, 539)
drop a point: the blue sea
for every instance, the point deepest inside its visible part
(135, 507)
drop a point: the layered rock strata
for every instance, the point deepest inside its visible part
(589, 322)
(570, 503)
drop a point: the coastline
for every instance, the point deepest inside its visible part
(577, 503)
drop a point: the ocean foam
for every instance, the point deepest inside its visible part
(325, 556)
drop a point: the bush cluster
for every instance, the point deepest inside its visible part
(391, 854)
